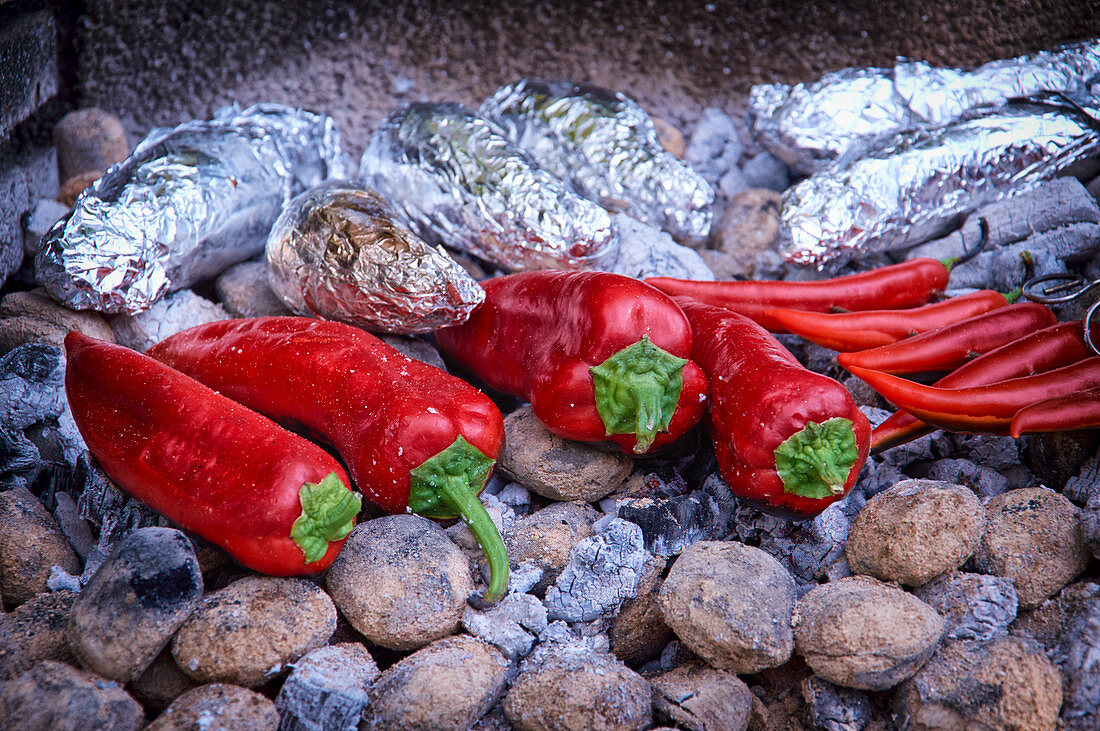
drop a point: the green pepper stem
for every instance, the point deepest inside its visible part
(447, 485)
(815, 462)
(328, 514)
(637, 390)
(1014, 295)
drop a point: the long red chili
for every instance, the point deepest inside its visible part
(850, 331)
(953, 345)
(1078, 410)
(788, 440)
(600, 356)
(910, 283)
(1050, 348)
(274, 501)
(414, 437)
(983, 409)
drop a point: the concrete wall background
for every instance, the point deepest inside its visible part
(159, 62)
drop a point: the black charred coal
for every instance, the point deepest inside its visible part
(834, 708)
(1058, 456)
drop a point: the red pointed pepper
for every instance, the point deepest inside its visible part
(600, 356)
(981, 409)
(788, 440)
(850, 331)
(1045, 350)
(910, 283)
(1078, 410)
(276, 502)
(953, 345)
(414, 437)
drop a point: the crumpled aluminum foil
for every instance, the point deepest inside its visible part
(337, 252)
(918, 184)
(462, 183)
(810, 125)
(606, 146)
(188, 203)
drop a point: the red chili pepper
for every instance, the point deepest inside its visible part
(981, 409)
(414, 437)
(850, 331)
(787, 439)
(600, 356)
(953, 345)
(276, 502)
(907, 284)
(1078, 410)
(1050, 348)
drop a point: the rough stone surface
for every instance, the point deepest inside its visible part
(603, 572)
(130, 609)
(32, 317)
(28, 173)
(248, 632)
(574, 689)
(35, 631)
(976, 606)
(546, 538)
(748, 227)
(638, 632)
(161, 683)
(1033, 536)
(178, 311)
(764, 170)
(670, 136)
(512, 625)
(647, 251)
(448, 684)
(400, 581)
(858, 632)
(244, 292)
(31, 544)
(715, 145)
(327, 689)
(915, 531)
(218, 707)
(554, 467)
(1005, 683)
(89, 140)
(731, 604)
(38, 220)
(28, 65)
(1077, 655)
(700, 698)
(53, 695)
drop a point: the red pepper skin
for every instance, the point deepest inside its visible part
(953, 345)
(907, 284)
(205, 462)
(384, 412)
(538, 334)
(1050, 348)
(981, 409)
(851, 331)
(761, 396)
(1078, 410)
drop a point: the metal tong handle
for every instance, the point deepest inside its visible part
(1065, 287)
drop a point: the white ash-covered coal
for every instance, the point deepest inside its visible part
(645, 590)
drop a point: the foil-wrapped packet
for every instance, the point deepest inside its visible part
(606, 146)
(337, 252)
(810, 125)
(188, 203)
(919, 184)
(462, 183)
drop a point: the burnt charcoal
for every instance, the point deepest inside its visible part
(31, 385)
(1078, 657)
(603, 572)
(833, 708)
(1084, 487)
(669, 525)
(877, 476)
(76, 529)
(987, 450)
(1090, 524)
(328, 689)
(765, 170)
(715, 145)
(976, 606)
(512, 625)
(647, 251)
(985, 481)
(921, 448)
(874, 414)
(1058, 456)
(19, 460)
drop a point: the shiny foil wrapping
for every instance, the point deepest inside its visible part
(606, 146)
(462, 183)
(810, 125)
(188, 203)
(336, 252)
(918, 184)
